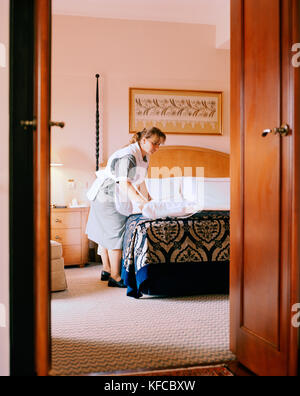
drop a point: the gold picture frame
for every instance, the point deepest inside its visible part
(185, 112)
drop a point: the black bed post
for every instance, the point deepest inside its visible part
(97, 123)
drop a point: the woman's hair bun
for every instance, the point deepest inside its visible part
(147, 133)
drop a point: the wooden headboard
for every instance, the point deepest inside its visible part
(184, 161)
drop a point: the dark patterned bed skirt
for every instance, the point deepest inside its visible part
(177, 256)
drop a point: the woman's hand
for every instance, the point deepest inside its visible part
(134, 195)
(141, 206)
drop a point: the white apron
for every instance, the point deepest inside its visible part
(122, 201)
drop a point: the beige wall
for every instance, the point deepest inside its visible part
(125, 54)
(4, 198)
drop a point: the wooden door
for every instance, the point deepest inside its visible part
(264, 214)
(21, 189)
(30, 38)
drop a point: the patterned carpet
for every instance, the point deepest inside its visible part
(100, 329)
(205, 371)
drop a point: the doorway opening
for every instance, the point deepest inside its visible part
(90, 322)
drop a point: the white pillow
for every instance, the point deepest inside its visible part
(211, 193)
(217, 193)
(165, 189)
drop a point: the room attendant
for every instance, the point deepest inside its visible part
(113, 195)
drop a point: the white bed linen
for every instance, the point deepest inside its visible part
(209, 193)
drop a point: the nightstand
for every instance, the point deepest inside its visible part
(68, 228)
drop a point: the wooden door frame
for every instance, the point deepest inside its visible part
(294, 365)
(42, 111)
(291, 101)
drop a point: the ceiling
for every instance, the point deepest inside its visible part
(208, 12)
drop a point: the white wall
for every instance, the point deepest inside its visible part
(125, 54)
(4, 188)
(223, 25)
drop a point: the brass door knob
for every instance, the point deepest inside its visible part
(284, 130)
(32, 124)
(28, 124)
(57, 124)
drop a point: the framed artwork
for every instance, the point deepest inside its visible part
(176, 111)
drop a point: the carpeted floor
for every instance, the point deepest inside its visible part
(101, 330)
(204, 371)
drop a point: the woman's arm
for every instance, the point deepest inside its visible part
(144, 190)
(133, 194)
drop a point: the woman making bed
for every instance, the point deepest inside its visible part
(112, 196)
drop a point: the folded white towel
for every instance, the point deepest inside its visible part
(160, 209)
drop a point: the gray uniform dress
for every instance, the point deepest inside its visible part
(106, 226)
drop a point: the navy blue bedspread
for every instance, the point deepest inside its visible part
(174, 256)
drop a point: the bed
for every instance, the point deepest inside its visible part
(186, 255)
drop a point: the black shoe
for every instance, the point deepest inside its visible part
(105, 276)
(114, 283)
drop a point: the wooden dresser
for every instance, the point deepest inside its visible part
(68, 228)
